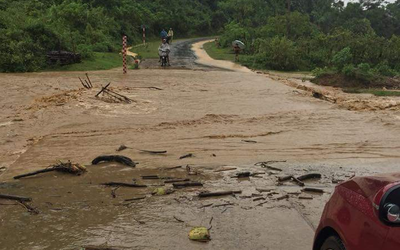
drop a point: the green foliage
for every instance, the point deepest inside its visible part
(279, 53)
(234, 31)
(342, 58)
(313, 34)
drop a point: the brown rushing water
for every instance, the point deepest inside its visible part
(46, 117)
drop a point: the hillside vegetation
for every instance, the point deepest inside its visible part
(360, 40)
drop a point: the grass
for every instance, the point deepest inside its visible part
(148, 51)
(100, 61)
(376, 92)
(219, 53)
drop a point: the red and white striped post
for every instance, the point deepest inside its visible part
(144, 34)
(124, 43)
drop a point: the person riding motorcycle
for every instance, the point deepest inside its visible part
(164, 50)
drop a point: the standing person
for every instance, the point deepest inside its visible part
(170, 36)
(237, 50)
(163, 34)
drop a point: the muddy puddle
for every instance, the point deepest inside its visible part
(76, 211)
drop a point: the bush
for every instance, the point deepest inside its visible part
(86, 51)
(342, 58)
(279, 53)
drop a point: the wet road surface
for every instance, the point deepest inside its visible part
(182, 57)
(226, 119)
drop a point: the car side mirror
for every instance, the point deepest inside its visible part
(387, 203)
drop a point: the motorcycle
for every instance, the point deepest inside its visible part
(164, 58)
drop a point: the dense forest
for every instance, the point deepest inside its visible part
(357, 39)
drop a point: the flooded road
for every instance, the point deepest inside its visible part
(226, 119)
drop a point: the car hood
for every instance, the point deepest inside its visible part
(368, 186)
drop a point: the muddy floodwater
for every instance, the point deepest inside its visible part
(228, 118)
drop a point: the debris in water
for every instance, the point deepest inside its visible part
(115, 96)
(28, 207)
(187, 184)
(171, 168)
(304, 197)
(242, 175)
(122, 184)
(249, 141)
(179, 220)
(115, 158)
(176, 180)
(153, 152)
(186, 156)
(285, 178)
(224, 169)
(14, 197)
(121, 148)
(199, 234)
(162, 191)
(68, 167)
(309, 176)
(313, 190)
(135, 199)
(298, 182)
(216, 194)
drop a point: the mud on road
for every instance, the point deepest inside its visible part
(226, 119)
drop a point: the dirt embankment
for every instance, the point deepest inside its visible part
(334, 94)
(341, 81)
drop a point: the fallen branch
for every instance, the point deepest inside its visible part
(313, 190)
(102, 89)
(14, 197)
(266, 162)
(262, 190)
(186, 156)
(90, 82)
(272, 168)
(153, 152)
(68, 167)
(179, 220)
(187, 184)
(249, 141)
(309, 176)
(122, 184)
(216, 194)
(150, 177)
(114, 158)
(176, 180)
(224, 205)
(171, 168)
(135, 199)
(285, 178)
(283, 197)
(225, 169)
(28, 207)
(298, 182)
(242, 175)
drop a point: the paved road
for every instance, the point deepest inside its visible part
(182, 57)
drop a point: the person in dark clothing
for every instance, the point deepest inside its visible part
(163, 34)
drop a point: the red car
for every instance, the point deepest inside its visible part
(362, 214)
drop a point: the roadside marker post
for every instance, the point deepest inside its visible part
(144, 34)
(124, 43)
